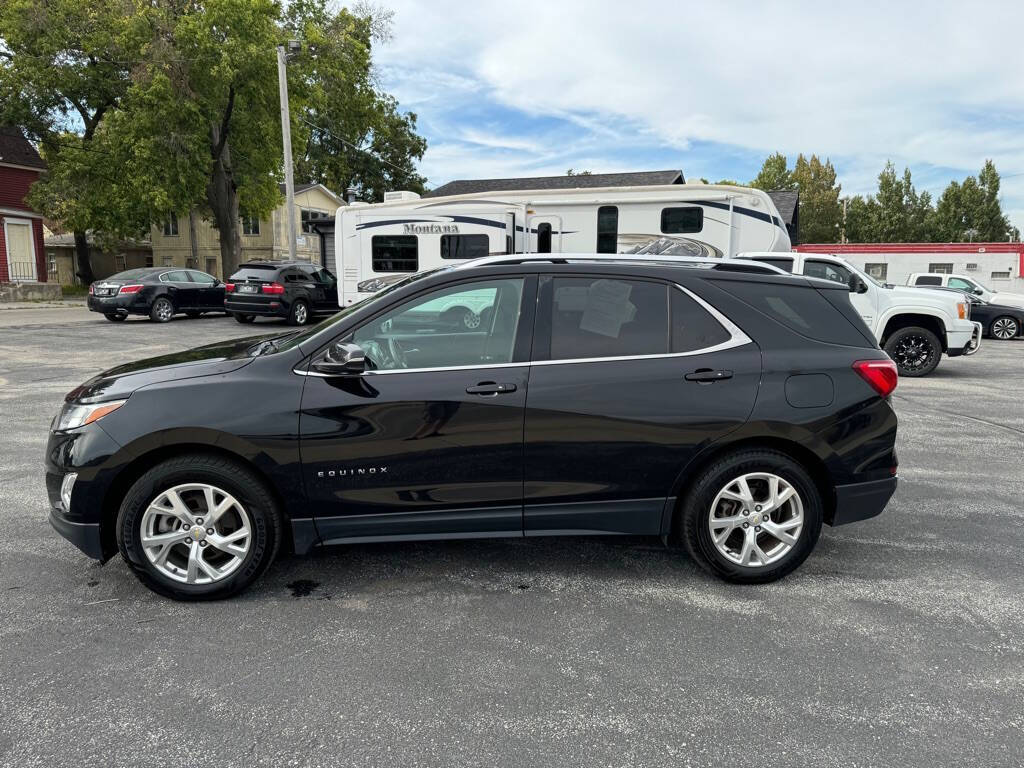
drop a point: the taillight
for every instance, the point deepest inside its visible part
(275, 288)
(880, 374)
(229, 287)
(130, 289)
(91, 291)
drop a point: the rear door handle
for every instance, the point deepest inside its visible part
(706, 375)
(490, 388)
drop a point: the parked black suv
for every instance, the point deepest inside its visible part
(727, 404)
(296, 290)
(157, 292)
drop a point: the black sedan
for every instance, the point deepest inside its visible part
(159, 292)
(999, 321)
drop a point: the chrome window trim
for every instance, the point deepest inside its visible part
(737, 339)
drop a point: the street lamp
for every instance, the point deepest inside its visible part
(294, 46)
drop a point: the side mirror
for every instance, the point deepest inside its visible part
(857, 285)
(978, 292)
(342, 359)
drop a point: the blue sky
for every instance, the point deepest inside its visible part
(530, 88)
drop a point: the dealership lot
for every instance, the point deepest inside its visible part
(899, 642)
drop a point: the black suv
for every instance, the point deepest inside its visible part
(726, 404)
(296, 290)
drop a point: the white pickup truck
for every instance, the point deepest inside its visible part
(914, 326)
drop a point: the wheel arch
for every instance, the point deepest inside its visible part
(933, 323)
(146, 460)
(816, 467)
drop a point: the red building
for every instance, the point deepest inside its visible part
(22, 258)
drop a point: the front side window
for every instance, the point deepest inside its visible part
(961, 284)
(395, 253)
(827, 271)
(607, 229)
(470, 324)
(464, 246)
(607, 317)
(681, 221)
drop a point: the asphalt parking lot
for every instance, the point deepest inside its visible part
(899, 642)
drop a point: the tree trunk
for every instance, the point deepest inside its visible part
(84, 270)
(222, 196)
(192, 241)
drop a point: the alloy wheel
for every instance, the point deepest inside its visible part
(301, 313)
(164, 310)
(1004, 328)
(912, 352)
(196, 533)
(471, 320)
(756, 519)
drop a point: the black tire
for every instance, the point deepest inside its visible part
(224, 473)
(1004, 328)
(116, 318)
(244, 319)
(916, 351)
(299, 313)
(162, 310)
(193, 315)
(463, 319)
(696, 508)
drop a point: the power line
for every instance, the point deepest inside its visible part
(369, 152)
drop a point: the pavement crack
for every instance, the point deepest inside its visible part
(958, 414)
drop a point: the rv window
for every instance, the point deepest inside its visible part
(679, 221)
(607, 229)
(464, 246)
(544, 238)
(395, 253)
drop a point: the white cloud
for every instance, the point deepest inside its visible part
(935, 84)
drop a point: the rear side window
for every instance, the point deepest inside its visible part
(801, 309)
(395, 253)
(693, 327)
(606, 317)
(680, 221)
(464, 246)
(783, 264)
(928, 280)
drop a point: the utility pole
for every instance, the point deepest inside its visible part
(286, 136)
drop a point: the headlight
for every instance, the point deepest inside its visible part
(75, 415)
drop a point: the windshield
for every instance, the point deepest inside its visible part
(295, 339)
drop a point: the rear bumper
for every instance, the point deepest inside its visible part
(861, 501)
(261, 308)
(118, 305)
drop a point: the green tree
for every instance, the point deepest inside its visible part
(820, 211)
(64, 69)
(971, 209)
(861, 219)
(774, 174)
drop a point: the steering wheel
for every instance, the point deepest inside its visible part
(397, 355)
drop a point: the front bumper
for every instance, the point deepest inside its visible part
(964, 342)
(85, 536)
(861, 501)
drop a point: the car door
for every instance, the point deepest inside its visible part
(630, 379)
(429, 441)
(181, 290)
(210, 293)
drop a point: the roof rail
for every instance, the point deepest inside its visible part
(699, 262)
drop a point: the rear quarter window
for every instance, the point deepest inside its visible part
(801, 309)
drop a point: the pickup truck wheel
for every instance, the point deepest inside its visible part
(752, 516)
(916, 351)
(1004, 328)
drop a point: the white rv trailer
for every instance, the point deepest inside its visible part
(376, 243)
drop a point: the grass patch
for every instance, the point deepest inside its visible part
(74, 290)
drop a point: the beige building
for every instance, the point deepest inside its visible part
(264, 238)
(62, 263)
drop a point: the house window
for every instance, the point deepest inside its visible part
(942, 269)
(877, 271)
(394, 253)
(250, 225)
(121, 262)
(168, 260)
(192, 263)
(52, 263)
(681, 221)
(211, 267)
(171, 225)
(464, 246)
(149, 261)
(311, 217)
(1000, 275)
(607, 229)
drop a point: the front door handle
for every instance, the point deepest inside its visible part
(706, 375)
(490, 388)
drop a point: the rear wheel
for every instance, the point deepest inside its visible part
(299, 314)
(752, 516)
(114, 318)
(916, 351)
(244, 319)
(162, 310)
(1004, 328)
(198, 527)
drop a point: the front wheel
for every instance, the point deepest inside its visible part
(1004, 328)
(752, 516)
(916, 351)
(198, 527)
(162, 310)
